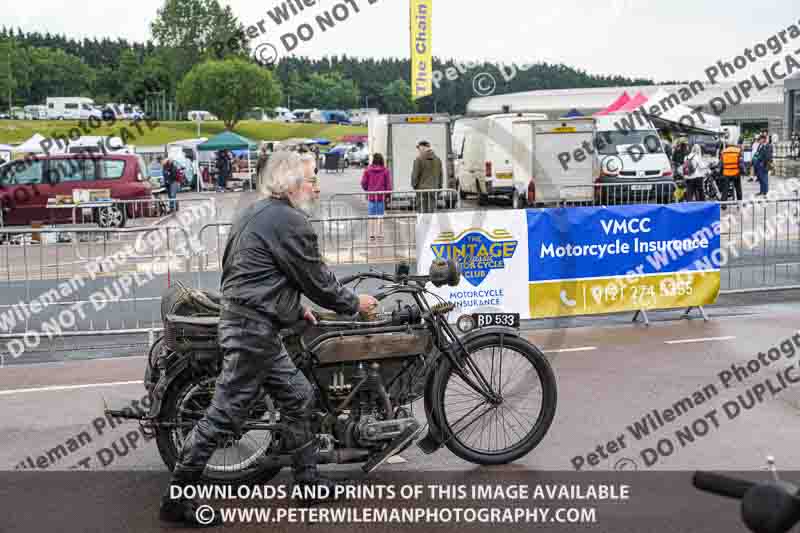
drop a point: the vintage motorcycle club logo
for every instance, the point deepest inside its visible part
(476, 251)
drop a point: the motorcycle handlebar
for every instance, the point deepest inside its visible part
(721, 485)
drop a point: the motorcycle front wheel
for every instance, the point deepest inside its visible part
(490, 433)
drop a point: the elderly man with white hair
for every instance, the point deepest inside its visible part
(271, 259)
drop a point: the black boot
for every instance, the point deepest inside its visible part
(312, 487)
(184, 511)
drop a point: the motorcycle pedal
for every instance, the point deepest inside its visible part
(428, 445)
(404, 438)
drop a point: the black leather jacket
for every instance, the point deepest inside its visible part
(272, 257)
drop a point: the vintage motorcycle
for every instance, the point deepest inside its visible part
(489, 396)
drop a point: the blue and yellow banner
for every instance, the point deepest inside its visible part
(597, 260)
(421, 55)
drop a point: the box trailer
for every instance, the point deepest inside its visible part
(397, 136)
(540, 171)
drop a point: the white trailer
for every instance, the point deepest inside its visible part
(540, 174)
(397, 136)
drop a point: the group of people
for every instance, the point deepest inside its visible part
(426, 175)
(695, 168)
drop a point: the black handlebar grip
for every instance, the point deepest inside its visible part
(721, 485)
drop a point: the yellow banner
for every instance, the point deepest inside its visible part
(421, 59)
(614, 295)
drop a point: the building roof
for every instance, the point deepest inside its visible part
(601, 97)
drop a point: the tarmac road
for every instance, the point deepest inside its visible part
(608, 379)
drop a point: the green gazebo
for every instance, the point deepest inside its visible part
(228, 140)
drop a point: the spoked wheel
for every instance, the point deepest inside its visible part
(236, 460)
(497, 430)
(712, 192)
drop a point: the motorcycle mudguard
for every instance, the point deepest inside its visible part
(435, 437)
(163, 385)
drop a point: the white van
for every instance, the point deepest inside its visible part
(71, 108)
(632, 160)
(486, 166)
(37, 112)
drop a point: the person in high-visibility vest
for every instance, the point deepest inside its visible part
(732, 170)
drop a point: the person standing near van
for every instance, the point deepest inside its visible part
(732, 170)
(695, 171)
(762, 159)
(376, 178)
(679, 153)
(427, 174)
(170, 173)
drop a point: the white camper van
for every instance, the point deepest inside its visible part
(486, 166)
(72, 108)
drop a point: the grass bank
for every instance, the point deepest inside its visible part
(17, 131)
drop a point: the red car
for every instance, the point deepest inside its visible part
(26, 185)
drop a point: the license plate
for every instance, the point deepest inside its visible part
(504, 175)
(484, 320)
(641, 187)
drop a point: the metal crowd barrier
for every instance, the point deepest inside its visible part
(344, 240)
(110, 279)
(629, 193)
(108, 214)
(422, 200)
(760, 250)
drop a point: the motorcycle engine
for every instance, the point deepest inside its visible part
(370, 419)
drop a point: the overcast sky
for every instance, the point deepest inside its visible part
(661, 40)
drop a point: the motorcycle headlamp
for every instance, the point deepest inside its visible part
(465, 323)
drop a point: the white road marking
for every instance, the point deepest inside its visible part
(68, 387)
(565, 350)
(396, 459)
(706, 339)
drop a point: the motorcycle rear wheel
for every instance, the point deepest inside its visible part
(236, 462)
(455, 402)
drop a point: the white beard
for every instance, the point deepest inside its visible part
(309, 206)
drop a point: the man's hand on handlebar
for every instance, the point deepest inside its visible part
(367, 305)
(309, 316)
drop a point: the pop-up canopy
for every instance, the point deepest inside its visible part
(618, 103)
(573, 113)
(635, 103)
(32, 145)
(674, 117)
(227, 140)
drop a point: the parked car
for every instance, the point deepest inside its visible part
(27, 185)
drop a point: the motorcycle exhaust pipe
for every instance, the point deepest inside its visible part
(342, 456)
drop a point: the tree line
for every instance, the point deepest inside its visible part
(187, 33)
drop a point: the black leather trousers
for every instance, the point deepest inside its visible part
(254, 357)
